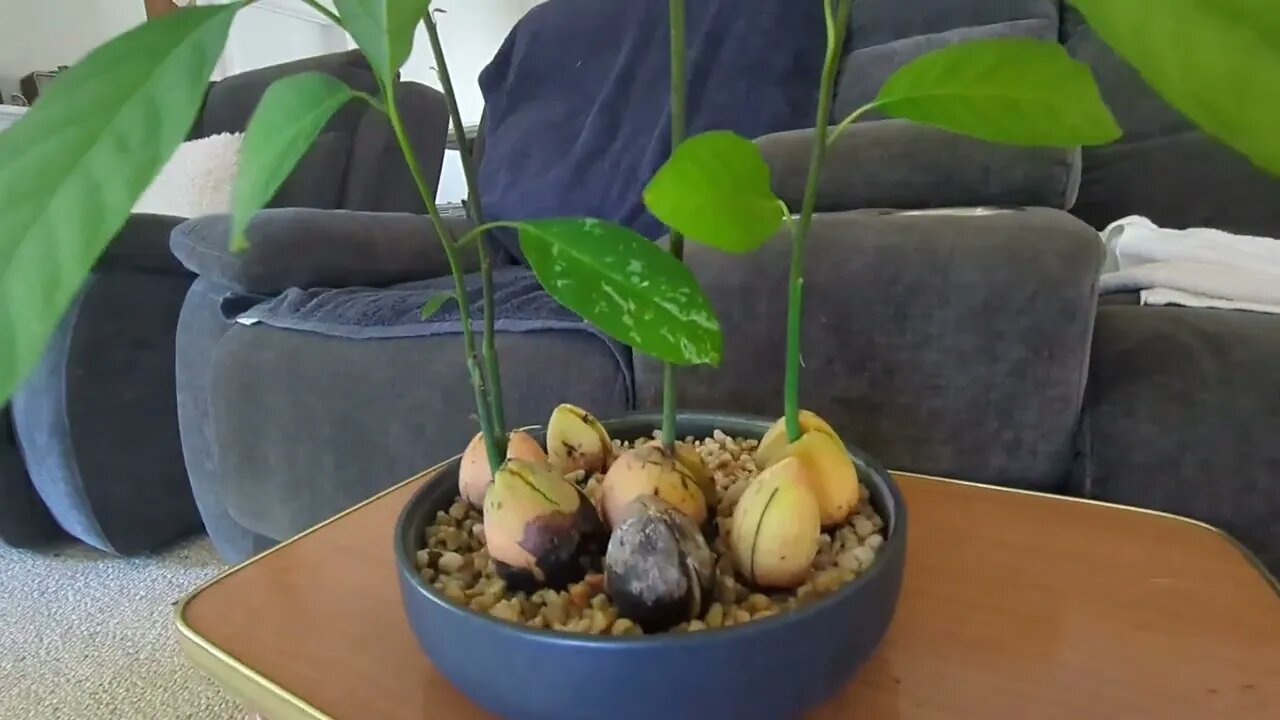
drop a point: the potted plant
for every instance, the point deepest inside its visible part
(602, 570)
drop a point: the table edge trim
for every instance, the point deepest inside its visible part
(255, 679)
(258, 681)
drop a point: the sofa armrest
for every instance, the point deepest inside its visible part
(905, 165)
(949, 342)
(298, 247)
(142, 245)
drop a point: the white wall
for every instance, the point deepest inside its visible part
(276, 31)
(471, 32)
(43, 34)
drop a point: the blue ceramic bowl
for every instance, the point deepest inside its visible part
(777, 667)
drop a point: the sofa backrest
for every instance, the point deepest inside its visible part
(884, 35)
(1162, 168)
(354, 164)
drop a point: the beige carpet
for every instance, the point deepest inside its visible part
(84, 635)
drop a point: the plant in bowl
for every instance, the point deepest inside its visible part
(608, 568)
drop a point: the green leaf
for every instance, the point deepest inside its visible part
(433, 304)
(384, 31)
(71, 170)
(1009, 90)
(625, 285)
(715, 189)
(1217, 61)
(287, 120)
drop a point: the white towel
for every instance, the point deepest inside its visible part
(1197, 267)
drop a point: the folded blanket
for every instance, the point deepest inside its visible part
(520, 304)
(577, 99)
(1197, 267)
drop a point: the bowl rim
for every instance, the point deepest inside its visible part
(894, 544)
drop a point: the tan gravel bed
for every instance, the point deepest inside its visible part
(456, 562)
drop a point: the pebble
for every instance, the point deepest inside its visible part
(506, 610)
(866, 556)
(601, 620)
(457, 563)
(849, 560)
(450, 563)
(715, 616)
(863, 527)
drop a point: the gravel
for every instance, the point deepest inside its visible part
(457, 564)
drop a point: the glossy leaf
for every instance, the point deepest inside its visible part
(384, 30)
(433, 305)
(1217, 61)
(285, 124)
(72, 168)
(625, 285)
(1009, 90)
(715, 189)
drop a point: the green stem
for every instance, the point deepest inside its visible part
(483, 408)
(849, 120)
(493, 374)
(678, 97)
(795, 286)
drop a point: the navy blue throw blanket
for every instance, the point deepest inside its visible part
(577, 100)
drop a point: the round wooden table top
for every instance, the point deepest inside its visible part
(1014, 605)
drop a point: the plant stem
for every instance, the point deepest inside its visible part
(678, 97)
(795, 286)
(493, 375)
(483, 408)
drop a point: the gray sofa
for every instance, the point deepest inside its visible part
(97, 421)
(958, 333)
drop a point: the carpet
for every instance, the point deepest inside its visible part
(85, 635)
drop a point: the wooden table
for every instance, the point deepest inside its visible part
(1015, 605)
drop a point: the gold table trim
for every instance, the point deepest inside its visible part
(277, 703)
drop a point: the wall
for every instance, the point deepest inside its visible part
(43, 34)
(471, 32)
(269, 32)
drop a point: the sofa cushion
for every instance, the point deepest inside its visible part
(1163, 168)
(946, 342)
(1141, 113)
(1181, 414)
(1179, 181)
(307, 424)
(318, 179)
(96, 419)
(904, 165)
(24, 520)
(231, 102)
(884, 35)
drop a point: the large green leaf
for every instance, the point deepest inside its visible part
(71, 170)
(384, 30)
(287, 120)
(715, 189)
(625, 285)
(1009, 90)
(1217, 61)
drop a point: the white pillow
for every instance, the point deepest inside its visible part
(197, 179)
